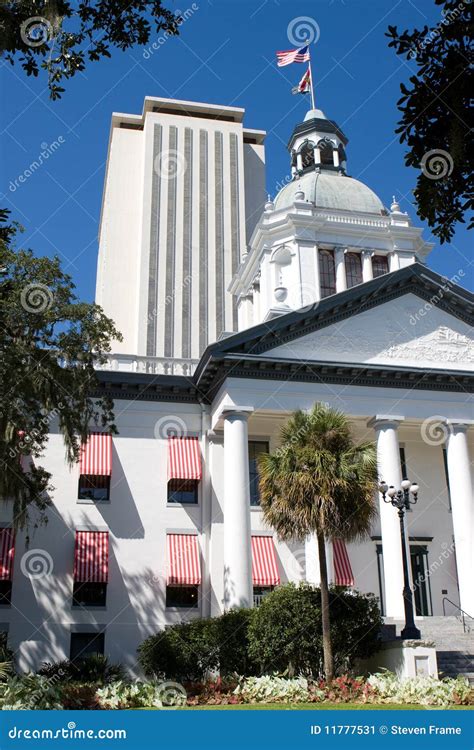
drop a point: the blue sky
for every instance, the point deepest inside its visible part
(225, 55)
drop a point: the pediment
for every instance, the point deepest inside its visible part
(406, 331)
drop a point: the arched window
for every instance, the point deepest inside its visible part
(353, 269)
(327, 273)
(307, 155)
(379, 265)
(325, 151)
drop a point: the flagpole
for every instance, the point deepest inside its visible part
(311, 78)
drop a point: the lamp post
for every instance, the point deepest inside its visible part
(401, 500)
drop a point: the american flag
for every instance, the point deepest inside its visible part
(286, 57)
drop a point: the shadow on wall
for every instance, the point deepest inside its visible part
(121, 514)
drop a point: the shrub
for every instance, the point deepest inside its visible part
(30, 692)
(184, 652)
(140, 695)
(92, 668)
(285, 633)
(231, 640)
(192, 650)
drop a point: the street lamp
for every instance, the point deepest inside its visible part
(402, 499)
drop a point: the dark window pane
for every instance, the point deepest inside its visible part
(182, 596)
(183, 491)
(353, 269)
(89, 594)
(84, 644)
(94, 487)
(403, 462)
(379, 265)
(259, 593)
(446, 474)
(256, 447)
(327, 273)
(5, 592)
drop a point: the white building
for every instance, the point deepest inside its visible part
(235, 312)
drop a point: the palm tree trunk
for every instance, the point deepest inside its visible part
(325, 619)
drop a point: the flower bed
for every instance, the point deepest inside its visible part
(40, 692)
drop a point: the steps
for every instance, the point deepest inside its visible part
(454, 648)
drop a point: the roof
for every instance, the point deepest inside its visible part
(238, 355)
(327, 189)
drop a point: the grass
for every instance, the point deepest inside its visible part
(316, 707)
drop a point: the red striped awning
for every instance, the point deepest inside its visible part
(343, 575)
(184, 458)
(91, 557)
(264, 564)
(184, 567)
(7, 554)
(96, 455)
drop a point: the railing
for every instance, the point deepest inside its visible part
(151, 365)
(258, 599)
(460, 614)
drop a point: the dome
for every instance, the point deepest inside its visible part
(331, 190)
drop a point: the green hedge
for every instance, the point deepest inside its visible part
(284, 633)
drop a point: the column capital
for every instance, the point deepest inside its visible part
(384, 419)
(234, 410)
(458, 425)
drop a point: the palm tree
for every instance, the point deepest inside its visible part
(319, 481)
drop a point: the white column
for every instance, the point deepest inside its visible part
(317, 156)
(341, 283)
(393, 262)
(461, 491)
(335, 157)
(367, 270)
(388, 462)
(313, 573)
(299, 162)
(237, 551)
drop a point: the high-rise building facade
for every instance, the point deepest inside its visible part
(184, 189)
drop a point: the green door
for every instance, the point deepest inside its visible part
(421, 581)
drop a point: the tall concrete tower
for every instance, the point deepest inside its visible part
(184, 189)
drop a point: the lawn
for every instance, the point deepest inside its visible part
(316, 707)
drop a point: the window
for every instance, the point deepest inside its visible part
(307, 155)
(259, 593)
(446, 474)
(84, 644)
(182, 596)
(326, 155)
(5, 592)
(403, 462)
(327, 273)
(353, 269)
(183, 491)
(256, 447)
(89, 594)
(95, 488)
(379, 265)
